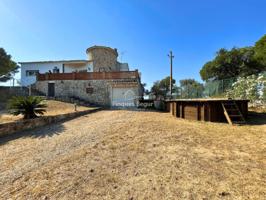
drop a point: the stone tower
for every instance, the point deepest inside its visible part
(104, 58)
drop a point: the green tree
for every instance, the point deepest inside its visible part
(190, 88)
(7, 66)
(145, 91)
(232, 63)
(260, 50)
(162, 87)
(29, 107)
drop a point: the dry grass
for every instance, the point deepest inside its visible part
(54, 108)
(260, 109)
(134, 155)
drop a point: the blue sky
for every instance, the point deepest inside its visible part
(144, 30)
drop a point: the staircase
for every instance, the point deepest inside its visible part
(35, 92)
(232, 113)
(73, 99)
(67, 99)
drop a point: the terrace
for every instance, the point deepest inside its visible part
(89, 75)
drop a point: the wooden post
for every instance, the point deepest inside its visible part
(74, 75)
(171, 72)
(199, 112)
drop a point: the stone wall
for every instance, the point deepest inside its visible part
(12, 127)
(98, 92)
(104, 59)
(93, 91)
(8, 92)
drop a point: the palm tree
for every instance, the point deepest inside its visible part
(29, 106)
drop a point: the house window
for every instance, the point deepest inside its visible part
(32, 72)
(55, 70)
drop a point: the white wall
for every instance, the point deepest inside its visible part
(123, 67)
(42, 67)
(45, 67)
(70, 68)
(89, 66)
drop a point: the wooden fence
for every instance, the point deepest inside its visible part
(203, 109)
(88, 75)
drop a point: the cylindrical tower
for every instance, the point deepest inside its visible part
(104, 58)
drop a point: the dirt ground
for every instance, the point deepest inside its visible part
(53, 108)
(116, 154)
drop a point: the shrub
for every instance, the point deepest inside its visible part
(29, 107)
(250, 87)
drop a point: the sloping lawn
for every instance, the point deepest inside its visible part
(134, 155)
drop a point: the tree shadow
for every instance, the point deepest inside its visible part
(256, 118)
(38, 132)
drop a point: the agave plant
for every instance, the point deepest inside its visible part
(30, 107)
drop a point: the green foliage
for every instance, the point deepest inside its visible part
(260, 50)
(237, 62)
(7, 66)
(218, 88)
(145, 91)
(251, 87)
(159, 105)
(190, 88)
(29, 107)
(162, 87)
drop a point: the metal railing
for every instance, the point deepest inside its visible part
(222, 88)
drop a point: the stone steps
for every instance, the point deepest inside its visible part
(74, 100)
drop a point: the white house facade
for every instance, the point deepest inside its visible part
(100, 58)
(30, 69)
(100, 80)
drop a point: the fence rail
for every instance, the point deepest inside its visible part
(88, 75)
(251, 87)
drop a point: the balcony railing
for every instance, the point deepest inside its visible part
(88, 75)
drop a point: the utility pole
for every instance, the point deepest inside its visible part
(171, 72)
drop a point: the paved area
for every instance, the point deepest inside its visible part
(134, 155)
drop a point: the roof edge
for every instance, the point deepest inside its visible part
(55, 61)
(102, 47)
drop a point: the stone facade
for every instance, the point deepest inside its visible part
(104, 58)
(12, 127)
(110, 84)
(98, 92)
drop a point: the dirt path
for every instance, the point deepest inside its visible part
(134, 155)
